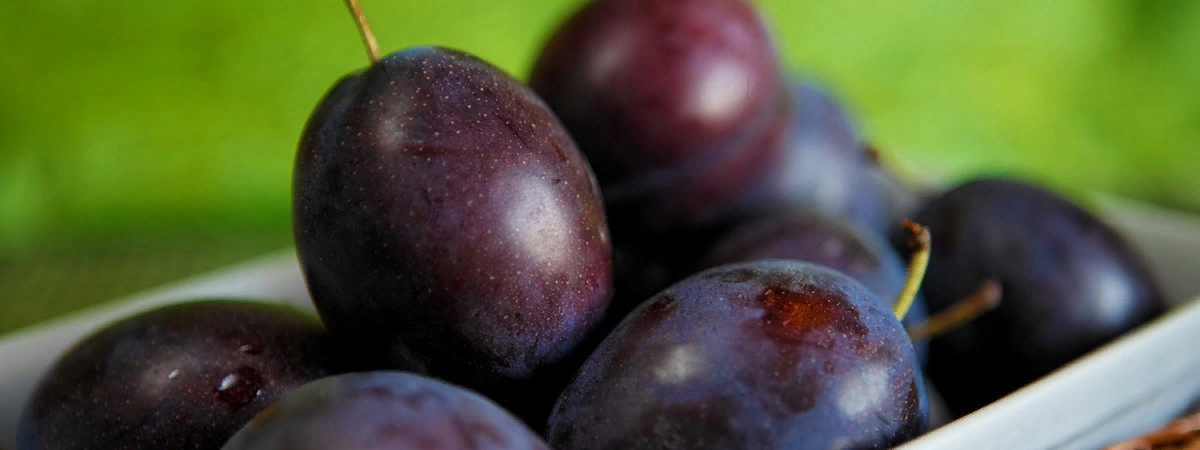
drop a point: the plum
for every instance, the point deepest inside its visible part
(676, 103)
(384, 410)
(807, 235)
(443, 215)
(770, 354)
(1070, 285)
(187, 375)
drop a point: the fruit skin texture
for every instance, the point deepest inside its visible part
(384, 411)
(442, 213)
(825, 164)
(674, 102)
(181, 376)
(1070, 284)
(805, 235)
(761, 355)
(819, 162)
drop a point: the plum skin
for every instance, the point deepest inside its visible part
(763, 354)
(442, 213)
(824, 163)
(675, 103)
(661, 58)
(1070, 285)
(181, 376)
(384, 410)
(838, 243)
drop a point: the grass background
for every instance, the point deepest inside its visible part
(144, 141)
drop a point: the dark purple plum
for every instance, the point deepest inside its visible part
(1070, 284)
(821, 124)
(825, 164)
(683, 111)
(676, 103)
(182, 376)
(384, 411)
(771, 354)
(805, 235)
(820, 163)
(441, 212)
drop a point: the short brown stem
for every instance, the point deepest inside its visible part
(985, 298)
(364, 29)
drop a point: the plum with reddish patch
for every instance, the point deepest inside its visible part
(758, 355)
(836, 243)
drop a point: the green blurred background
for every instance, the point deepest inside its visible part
(145, 141)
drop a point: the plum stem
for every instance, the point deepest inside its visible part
(918, 238)
(985, 298)
(1175, 433)
(364, 30)
(902, 174)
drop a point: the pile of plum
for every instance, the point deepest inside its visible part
(663, 241)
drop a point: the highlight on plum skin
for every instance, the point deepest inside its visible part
(669, 100)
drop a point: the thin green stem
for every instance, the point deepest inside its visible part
(920, 240)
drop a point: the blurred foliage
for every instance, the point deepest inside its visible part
(124, 118)
(66, 274)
